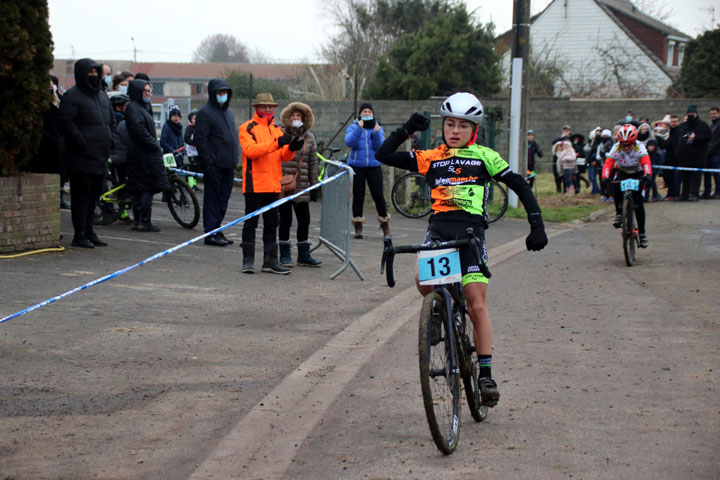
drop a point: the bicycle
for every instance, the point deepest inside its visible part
(629, 231)
(181, 199)
(411, 197)
(445, 337)
(321, 164)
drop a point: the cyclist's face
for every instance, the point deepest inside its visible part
(626, 147)
(457, 131)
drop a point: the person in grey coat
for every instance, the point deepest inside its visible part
(89, 124)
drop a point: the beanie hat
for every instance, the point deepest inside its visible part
(606, 133)
(174, 110)
(692, 108)
(365, 105)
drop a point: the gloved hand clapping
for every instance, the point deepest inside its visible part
(284, 140)
(314, 195)
(296, 144)
(416, 123)
(537, 239)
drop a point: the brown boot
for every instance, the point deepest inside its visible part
(358, 223)
(385, 225)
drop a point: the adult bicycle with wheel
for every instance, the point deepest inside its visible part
(114, 204)
(411, 197)
(445, 337)
(629, 230)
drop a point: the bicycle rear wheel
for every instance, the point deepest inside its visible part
(470, 371)
(106, 212)
(440, 386)
(411, 195)
(183, 203)
(628, 222)
(496, 201)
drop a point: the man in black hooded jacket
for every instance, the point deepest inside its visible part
(216, 139)
(89, 124)
(691, 151)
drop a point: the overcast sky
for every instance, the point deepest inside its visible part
(283, 30)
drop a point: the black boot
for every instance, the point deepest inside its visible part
(285, 256)
(92, 236)
(248, 257)
(136, 217)
(304, 257)
(270, 261)
(145, 223)
(81, 240)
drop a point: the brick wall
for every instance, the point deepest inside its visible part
(29, 212)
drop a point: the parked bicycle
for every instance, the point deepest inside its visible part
(629, 230)
(411, 197)
(115, 204)
(445, 337)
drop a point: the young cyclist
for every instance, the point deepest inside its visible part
(458, 171)
(628, 158)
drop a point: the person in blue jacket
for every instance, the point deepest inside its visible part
(364, 137)
(171, 137)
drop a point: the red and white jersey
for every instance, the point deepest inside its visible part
(634, 161)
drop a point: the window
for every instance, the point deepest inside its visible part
(158, 89)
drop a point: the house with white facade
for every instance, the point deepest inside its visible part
(604, 49)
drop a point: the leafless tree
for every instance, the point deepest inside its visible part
(656, 9)
(221, 47)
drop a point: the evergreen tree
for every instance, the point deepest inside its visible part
(25, 62)
(700, 74)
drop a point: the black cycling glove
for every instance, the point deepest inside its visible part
(296, 144)
(314, 195)
(537, 240)
(416, 123)
(284, 140)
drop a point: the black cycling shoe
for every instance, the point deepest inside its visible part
(643, 241)
(488, 391)
(617, 222)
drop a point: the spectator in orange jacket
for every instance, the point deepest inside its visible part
(264, 145)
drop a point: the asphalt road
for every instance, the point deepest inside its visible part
(186, 368)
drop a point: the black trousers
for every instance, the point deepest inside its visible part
(255, 201)
(636, 195)
(374, 178)
(218, 188)
(302, 212)
(690, 183)
(85, 189)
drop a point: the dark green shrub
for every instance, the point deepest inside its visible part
(25, 62)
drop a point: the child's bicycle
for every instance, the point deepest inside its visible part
(629, 230)
(445, 340)
(114, 204)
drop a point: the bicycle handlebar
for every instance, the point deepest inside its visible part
(389, 252)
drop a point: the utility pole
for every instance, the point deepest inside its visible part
(519, 95)
(134, 49)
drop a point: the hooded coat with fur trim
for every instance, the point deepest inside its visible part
(309, 167)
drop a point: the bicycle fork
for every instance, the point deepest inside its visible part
(450, 328)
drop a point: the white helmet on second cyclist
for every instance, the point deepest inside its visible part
(462, 105)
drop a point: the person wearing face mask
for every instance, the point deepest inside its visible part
(264, 146)
(89, 124)
(364, 137)
(146, 173)
(106, 77)
(119, 85)
(298, 119)
(217, 144)
(691, 151)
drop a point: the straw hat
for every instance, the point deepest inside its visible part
(666, 120)
(264, 99)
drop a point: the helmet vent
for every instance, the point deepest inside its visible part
(448, 107)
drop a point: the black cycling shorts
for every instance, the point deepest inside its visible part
(446, 231)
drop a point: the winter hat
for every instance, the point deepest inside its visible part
(692, 108)
(174, 110)
(665, 120)
(606, 133)
(264, 99)
(365, 105)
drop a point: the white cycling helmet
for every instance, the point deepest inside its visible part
(462, 105)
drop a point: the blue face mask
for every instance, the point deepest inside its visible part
(365, 118)
(123, 89)
(108, 80)
(628, 119)
(146, 99)
(221, 99)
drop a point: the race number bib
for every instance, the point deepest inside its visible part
(437, 267)
(169, 160)
(629, 184)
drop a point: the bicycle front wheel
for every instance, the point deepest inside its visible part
(183, 203)
(496, 201)
(628, 222)
(411, 195)
(440, 384)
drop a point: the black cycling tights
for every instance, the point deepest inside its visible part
(639, 205)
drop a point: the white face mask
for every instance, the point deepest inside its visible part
(296, 123)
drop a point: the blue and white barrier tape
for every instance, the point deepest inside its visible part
(197, 175)
(667, 167)
(173, 249)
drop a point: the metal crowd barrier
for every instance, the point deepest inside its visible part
(336, 216)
